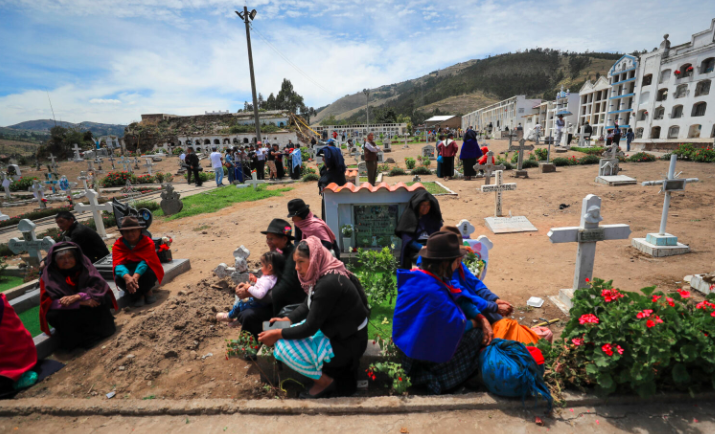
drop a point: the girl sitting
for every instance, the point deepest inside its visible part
(253, 300)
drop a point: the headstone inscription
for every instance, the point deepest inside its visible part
(520, 161)
(96, 209)
(663, 243)
(30, 243)
(587, 234)
(170, 200)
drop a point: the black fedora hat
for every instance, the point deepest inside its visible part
(296, 207)
(279, 227)
(443, 245)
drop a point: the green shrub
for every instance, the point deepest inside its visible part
(561, 161)
(22, 184)
(305, 170)
(311, 177)
(148, 204)
(420, 171)
(528, 164)
(589, 159)
(634, 342)
(118, 179)
(147, 179)
(542, 153)
(666, 157)
(397, 171)
(641, 157)
(304, 154)
(343, 146)
(425, 161)
(383, 168)
(177, 151)
(598, 150)
(203, 176)
(376, 271)
(410, 163)
(507, 165)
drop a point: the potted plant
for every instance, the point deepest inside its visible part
(347, 233)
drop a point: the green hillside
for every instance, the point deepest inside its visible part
(45, 125)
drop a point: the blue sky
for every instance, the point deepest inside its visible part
(112, 60)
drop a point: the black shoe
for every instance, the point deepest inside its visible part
(325, 393)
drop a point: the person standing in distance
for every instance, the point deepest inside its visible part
(217, 164)
(192, 160)
(370, 151)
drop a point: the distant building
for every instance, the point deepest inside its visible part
(360, 130)
(448, 121)
(506, 113)
(594, 105)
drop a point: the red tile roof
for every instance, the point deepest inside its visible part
(372, 189)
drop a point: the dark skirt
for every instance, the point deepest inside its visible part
(343, 368)
(439, 378)
(448, 166)
(82, 327)
(146, 282)
(252, 319)
(295, 172)
(439, 169)
(280, 168)
(469, 166)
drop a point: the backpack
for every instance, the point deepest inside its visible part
(508, 369)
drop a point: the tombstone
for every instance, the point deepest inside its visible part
(39, 192)
(520, 149)
(14, 171)
(77, 157)
(30, 243)
(96, 209)
(90, 166)
(239, 272)
(101, 152)
(608, 169)
(54, 165)
(587, 234)
(499, 224)
(362, 168)
(498, 188)
(170, 200)
(489, 167)
(428, 151)
(254, 181)
(149, 165)
(6, 184)
(465, 228)
(52, 183)
(663, 243)
(380, 157)
(3, 217)
(480, 246)
(386, 146)
(126, 164)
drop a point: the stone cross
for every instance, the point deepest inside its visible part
(254, 181)
(30, 243)
(53, 165)
(587, 234)
(83, 177)
(126, 164)
(670, 183)
(90, 166)
(39, 191)
(136, 162)
(498, 188)
(149, 165)
(111, 158)
(6, 184)
(520, 149)
(51, 182)
(488, 167)
(76, 150)
(4, 217)
(96, 210)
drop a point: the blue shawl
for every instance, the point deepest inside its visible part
(333, 158)
(296, 158)
(470, 147)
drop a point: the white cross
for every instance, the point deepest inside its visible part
(126, 164)
(498, 188)
(96, 210)
(489, 167)
(6, 184)
(254, 181)
(76, 150)
(90, 165)
(465, 228)
(54, 165)
(39, 192)
(587, 234)
(671, 182)
(149, 165)
(30, 243)
(4, 217)
(520, 149)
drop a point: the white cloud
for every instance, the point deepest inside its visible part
(104, 101)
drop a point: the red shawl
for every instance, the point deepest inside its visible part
(143, 251)
(46, 303)
(16, 345)
(322, 262)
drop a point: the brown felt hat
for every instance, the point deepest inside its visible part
(443, 245)
(129, 223)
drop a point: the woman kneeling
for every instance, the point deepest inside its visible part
(329, 331)
(74, 298)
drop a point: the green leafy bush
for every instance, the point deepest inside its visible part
(304, 154)
(177, 151)
(377, 271)
(641, 157)
(311, 177)
(507, 165)
(22, 184)
(203, 176)
(562, 161)
(634, 342)
(397, 171)
(147, 179)
(542, 153)
(421, 170)
(529, 164)
(118, 179)
(304, 170)
(589, 159)
(598, 150)
(410, 163)
(687, 151)
(383, 168)
(425, 160)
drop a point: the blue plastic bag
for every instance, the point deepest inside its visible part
(508, 369)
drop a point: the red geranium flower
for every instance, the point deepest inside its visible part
(656, 298)
(645, 314)
(577, 341)
(588, 319)
(607, 349)
(619, 349)
(650, 323)
(670, 301)
(610, 295)
(683, 293)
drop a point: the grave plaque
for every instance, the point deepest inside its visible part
(374, 224)
(591, 235)
(506, 225)
(428, 151)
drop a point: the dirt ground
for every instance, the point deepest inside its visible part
(521, 265)
(680, 418)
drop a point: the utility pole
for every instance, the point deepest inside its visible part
(247, 17)
(367, 107)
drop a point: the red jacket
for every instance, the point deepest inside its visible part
(449, 150)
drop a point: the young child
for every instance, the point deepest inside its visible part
(253, 300)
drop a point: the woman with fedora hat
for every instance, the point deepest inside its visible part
(306, 225)
(287, 291)
(438, 326)
(135, 264)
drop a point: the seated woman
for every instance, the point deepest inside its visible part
(74, 298)
(136, 266)
(437, 326)
(287, 291)
(308, 225)
(421, 218)
(329, 332)
(17, 348)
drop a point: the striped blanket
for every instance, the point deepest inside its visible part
(305, 356)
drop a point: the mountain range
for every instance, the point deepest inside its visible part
(45, 125)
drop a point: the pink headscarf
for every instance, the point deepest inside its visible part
(322, 262)
(313, 226)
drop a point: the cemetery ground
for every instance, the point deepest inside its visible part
(175, 350)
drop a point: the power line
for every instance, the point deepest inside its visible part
(303, 73)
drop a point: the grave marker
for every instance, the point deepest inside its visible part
(170, 200)
(96, 210)
(663, 243)
(126, 164)
(77, 158)
(14, 171)
(6, 184)
(53, 165)
(498, 188)
(39, 192)
(428, 151)
(3, 217)
(254, 181)
(499, 224)
(587, 234)
(90, 166)
(488, 167)
(149, 165)
(520, 149)
(51, 182)
(30, 243)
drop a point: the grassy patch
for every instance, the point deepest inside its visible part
(431, 187)
(31, 320)
(9, 282)
(219, 198)
(381, 320)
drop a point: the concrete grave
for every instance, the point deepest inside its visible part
(3, 217)
(509, 225)
(362, 169)
(662, 243)
(428, 151)
(239, 272)
(587, 234)
(14, 171)
(77, 157)
(608, 167)
(704, 283)
(39, 192)
(30, 243)
(614, 181)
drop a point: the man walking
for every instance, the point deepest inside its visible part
(370, 151)
(260, 160)
(192, 160)
(217, 164)
(560, 124)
